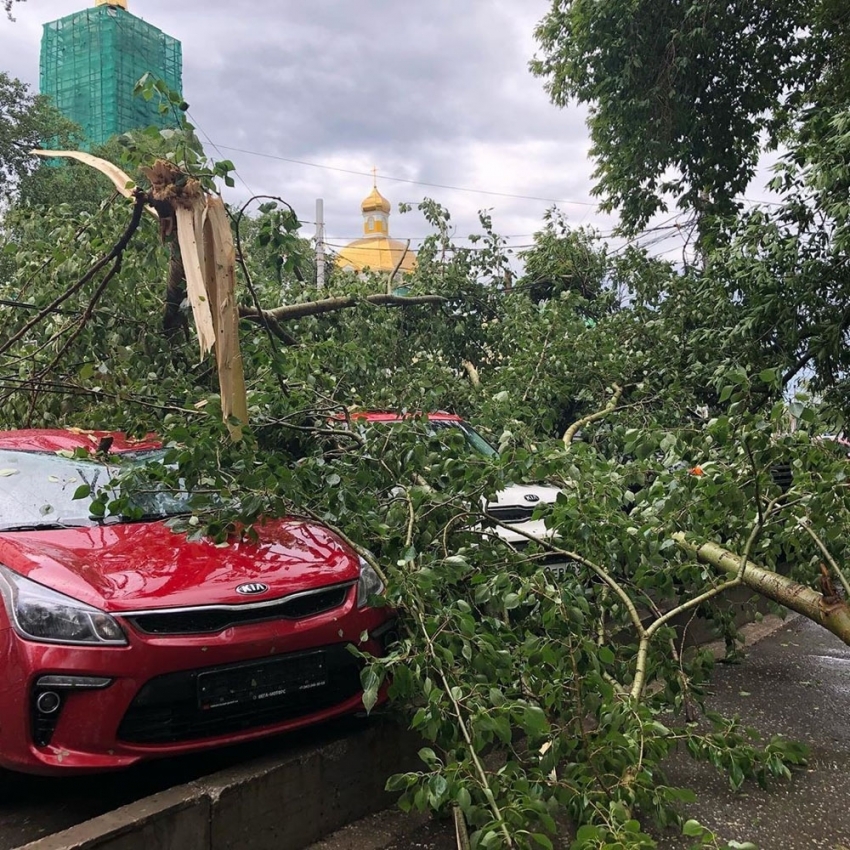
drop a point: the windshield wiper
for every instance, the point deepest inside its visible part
(41, 526)
(153, 517)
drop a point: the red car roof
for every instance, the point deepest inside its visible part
(384, 416)
(69, 439)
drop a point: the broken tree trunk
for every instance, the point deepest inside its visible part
(834, 617)
(209, 262)
(220, 274)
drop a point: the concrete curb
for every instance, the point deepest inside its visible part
(269, 804)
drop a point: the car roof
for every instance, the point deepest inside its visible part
(387, 416)
(69, 439)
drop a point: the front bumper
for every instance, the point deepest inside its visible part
(151, 708)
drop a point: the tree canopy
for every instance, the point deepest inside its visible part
(684, 98)
(654, 395)
(26, 122)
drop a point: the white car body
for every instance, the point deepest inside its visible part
(513, 506)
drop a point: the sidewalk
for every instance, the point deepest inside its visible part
(795, 682)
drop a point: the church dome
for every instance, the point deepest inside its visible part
(374, 202)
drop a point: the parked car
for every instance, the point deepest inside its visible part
(513, 507)
(122, 640)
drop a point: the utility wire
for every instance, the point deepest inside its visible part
(411, 182)
(218, 150)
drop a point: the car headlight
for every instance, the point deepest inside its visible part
(368, 585)
(40, 614)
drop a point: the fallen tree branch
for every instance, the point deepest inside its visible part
(13, 384)
(472, 372)
(270, 326)
(330, 305)
(461, 832)
(826, 553)
(114, 254)
(570, 433)
(779, 588)
(736, 580)
(261, 317)
(123, 242)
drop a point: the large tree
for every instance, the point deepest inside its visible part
(684, 97)
(561, 678)
(27, 121)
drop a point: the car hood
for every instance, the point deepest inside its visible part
(514, 506)
(133, 566)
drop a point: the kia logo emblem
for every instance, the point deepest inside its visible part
(251, 588)
(531, 497)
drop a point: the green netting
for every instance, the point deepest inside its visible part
(90, 62)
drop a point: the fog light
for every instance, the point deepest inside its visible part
(387, 633)
(48, 697)
(48, 702)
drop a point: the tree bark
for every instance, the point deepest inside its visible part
(331, 305)
(174, 320)
(835, 617)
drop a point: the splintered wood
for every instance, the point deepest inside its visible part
(209, 261)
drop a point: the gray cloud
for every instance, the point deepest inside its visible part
(435, 91)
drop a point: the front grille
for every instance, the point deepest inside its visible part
(546, 558)
(510, 513)
(194, 704)
(211, 619)
(782, 476)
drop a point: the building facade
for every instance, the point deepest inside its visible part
(91, 61)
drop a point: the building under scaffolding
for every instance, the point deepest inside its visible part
(91, 61)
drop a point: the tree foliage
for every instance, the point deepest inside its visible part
(7, 7)
(684, 97)
(26, 121)
(654, 396)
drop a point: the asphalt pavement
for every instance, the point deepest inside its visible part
(793, 682)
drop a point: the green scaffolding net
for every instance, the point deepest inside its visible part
(90, 62)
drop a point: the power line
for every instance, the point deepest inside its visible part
(207, 137)
(411, 182)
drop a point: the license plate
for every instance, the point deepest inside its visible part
(564, 569)
(261, 680)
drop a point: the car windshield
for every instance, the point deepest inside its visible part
(473, 439)
(37, 489)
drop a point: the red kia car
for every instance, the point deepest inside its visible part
(121, 640)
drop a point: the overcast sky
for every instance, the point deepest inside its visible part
(433, 91)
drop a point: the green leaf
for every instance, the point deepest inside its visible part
(606, 655)
(428, 756)
(693, 829)
(82, 492)
(534, 721)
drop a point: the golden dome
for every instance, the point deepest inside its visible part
(376, 253)
(374, 202)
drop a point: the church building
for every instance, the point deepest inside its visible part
(375, 251)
